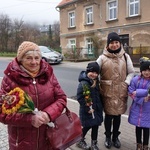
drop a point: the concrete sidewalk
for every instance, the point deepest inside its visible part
(127, 136)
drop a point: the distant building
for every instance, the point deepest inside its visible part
(44, 29)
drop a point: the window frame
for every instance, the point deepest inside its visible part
(71, 19)
(115, 13)
(134, 7)
(89, 45)
(72, 45)
(89, 16)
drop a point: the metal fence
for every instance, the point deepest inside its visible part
(78, 54)
(137, 52)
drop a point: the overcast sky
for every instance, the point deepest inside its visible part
(41, 11)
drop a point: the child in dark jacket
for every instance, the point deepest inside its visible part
(90, 104)
(139, 115)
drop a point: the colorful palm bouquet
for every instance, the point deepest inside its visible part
(17, 101)
(88, 99)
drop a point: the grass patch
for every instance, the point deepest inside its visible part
(8, 54)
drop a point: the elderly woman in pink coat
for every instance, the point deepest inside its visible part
(27, 131)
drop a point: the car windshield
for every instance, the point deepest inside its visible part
(45, 49)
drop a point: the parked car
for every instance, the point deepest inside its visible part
(51, 56)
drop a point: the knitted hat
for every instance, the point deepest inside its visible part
(25, 47)
(93, 67)
(113, 36)
(144, 63)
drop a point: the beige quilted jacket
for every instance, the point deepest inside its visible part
(116, 73)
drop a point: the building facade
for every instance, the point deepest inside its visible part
(85, 24)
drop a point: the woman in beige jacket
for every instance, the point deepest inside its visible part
(116, 71)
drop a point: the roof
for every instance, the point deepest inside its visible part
(65, 2)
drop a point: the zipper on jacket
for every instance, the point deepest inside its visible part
(139, 120)
(34, 82)
(17, 139)
(38, 138)
(37, 100)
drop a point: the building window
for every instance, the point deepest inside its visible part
(89, 15)
(134, 7)
(71, 19)
(89, 45)
(112, 10)
(72, 44)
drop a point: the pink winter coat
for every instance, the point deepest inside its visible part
(47, 95)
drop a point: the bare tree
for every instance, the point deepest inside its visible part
(56, 34)
(5, 27)
(30, 32)
(22, 32)
(16, 33)
(52, 38)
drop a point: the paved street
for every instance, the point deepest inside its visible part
(3, 137)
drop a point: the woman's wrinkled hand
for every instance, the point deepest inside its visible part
(45, 116)
(37, 120)
(40, 118)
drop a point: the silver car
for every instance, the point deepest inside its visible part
(51, 56)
